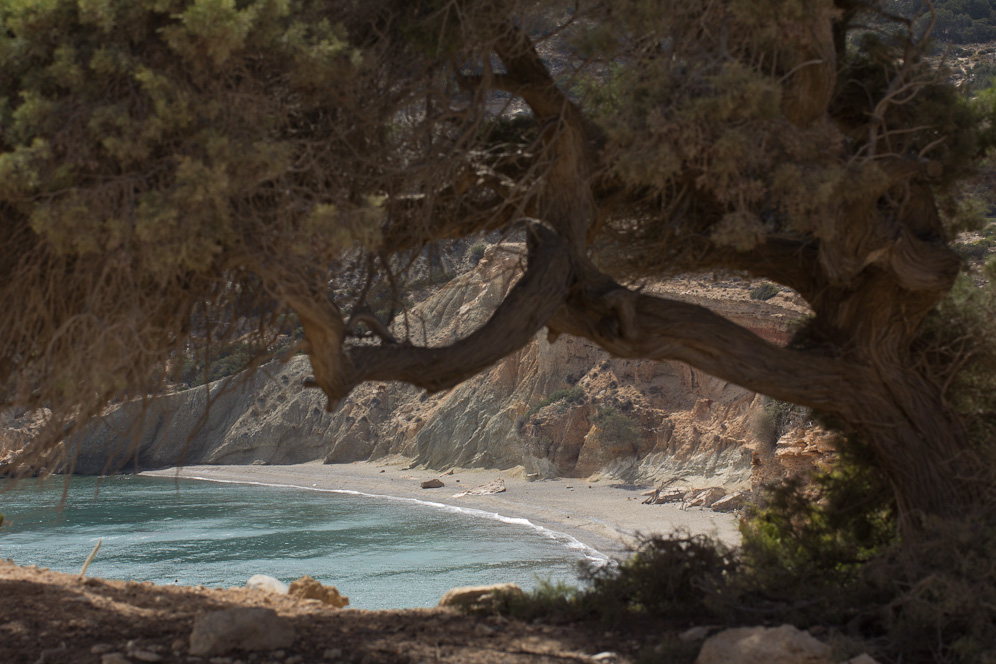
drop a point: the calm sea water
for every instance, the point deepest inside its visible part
(381, 553)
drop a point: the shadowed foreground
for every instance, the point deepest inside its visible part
(52, 617)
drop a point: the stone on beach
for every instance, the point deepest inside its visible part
(706, 497)
(479, 598)
(729, 502)
(432, 484)
(243, 628)
(267, 584)
(308, 588)
(490, 488)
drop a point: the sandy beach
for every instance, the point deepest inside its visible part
(605, 515)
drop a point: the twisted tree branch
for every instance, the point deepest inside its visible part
(524, 311)
(634, 325)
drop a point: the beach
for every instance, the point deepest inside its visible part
(605, 515)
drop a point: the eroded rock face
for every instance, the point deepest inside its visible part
(307, 588)
(561, 409)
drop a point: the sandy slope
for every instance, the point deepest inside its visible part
(604, 515)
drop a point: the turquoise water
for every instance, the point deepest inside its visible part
(381, 553)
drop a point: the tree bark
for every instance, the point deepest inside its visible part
(918, 442)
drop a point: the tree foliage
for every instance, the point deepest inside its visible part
(177, 172)
(953, 21)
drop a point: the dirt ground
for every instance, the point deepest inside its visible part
(48, 617)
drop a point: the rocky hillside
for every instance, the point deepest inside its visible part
(561, 409)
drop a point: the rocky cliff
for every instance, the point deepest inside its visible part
(564, 409)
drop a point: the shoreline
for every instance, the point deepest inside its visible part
(604, 515)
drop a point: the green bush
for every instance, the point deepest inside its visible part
(973, 250)
(678, 576)
(477, 253)
(955, 21)
(804, 537)
(764, 291)
(616, 428)
(548, 599)
(569, 395)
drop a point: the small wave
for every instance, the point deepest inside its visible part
(570, 542)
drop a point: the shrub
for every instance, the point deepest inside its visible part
(678, 576)
(477, 253)
(616, 428)
(803, 537)
(764, 291)
(547, 600)
(569, 395)
(973, 250)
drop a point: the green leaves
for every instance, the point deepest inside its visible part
(212, 29)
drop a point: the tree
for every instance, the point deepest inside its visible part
(172, 170)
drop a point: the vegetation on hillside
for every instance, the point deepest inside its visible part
(179, 174)
(953, 21)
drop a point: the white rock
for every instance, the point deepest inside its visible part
(243, 628)
(267, 583)
(863, 658)
(764, 645)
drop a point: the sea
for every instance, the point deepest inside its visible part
(382, 552)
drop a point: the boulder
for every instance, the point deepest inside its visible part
(729, 502)
(242, 628)
(308, 588)
(479, 598)
(764, 645)
(490, 488)
(706, 497)
(267, 584)
(433, 484)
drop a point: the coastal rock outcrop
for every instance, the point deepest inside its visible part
(308, 588)
(560, 409)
